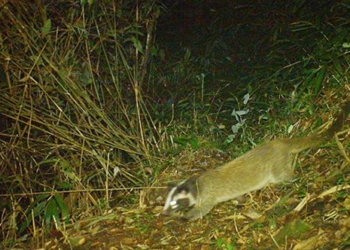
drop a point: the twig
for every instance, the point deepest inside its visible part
(340, 145)
(302, 203)
(333, 190)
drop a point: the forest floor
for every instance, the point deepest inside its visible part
(312, 212)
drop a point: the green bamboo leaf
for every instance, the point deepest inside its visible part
(184, 141)
(346, 45)
(63, 207)
(137, 44)
(47, 27)
(320, 79)
(51, 211)
(337, 65)
(38, 210)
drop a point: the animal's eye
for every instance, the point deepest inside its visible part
(183, 203)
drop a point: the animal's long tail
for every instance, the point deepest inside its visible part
(338, 123)
(303, 143)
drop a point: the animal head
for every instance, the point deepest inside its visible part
(181, 196)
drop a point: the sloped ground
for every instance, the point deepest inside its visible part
(310, 213)
(286, 216)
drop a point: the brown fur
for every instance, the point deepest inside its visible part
(270, 162)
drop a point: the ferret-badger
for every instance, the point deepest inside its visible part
(270, 162)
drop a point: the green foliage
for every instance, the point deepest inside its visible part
(302, 52)
(220, 243)
(88, 95)
(239, 116)
(72, 105)
(184, 141)
(293, 230)
(51, 209)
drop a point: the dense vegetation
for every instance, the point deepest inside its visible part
(100, 99)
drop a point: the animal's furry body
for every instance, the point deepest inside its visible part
(270, 162)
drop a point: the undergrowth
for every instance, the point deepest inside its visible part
(90, 99)
(75, 130)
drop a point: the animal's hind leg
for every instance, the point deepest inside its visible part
(285, 173)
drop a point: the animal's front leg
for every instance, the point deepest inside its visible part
(199, 211)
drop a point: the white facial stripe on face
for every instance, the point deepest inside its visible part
(182, 195)
(189, 196)
(169, 199)
(174, 203)
(191, 199)
(171, 202)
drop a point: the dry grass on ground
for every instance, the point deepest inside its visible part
(310, 213)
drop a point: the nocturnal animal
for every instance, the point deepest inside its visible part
(270, 162)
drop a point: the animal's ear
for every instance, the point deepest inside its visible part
(192, 185)
(184, 191)
(193, 180)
